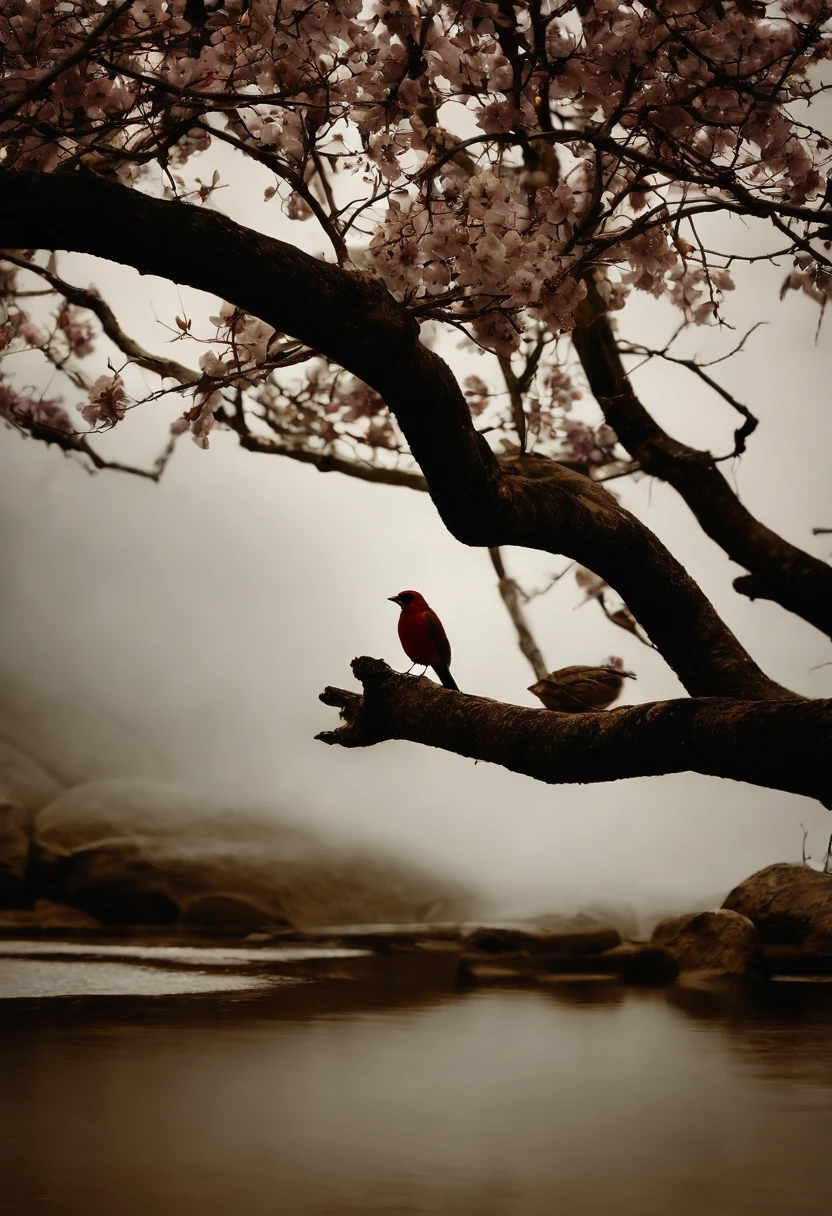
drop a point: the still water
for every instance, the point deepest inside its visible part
(376, 1098)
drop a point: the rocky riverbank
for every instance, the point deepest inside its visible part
(140, 859)
(784, 935)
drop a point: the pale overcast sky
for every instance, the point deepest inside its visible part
(204, 615)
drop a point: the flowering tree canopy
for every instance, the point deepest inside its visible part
(504, 173)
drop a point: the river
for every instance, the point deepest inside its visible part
(379, 1097)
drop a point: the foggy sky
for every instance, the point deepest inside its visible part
(204, 615)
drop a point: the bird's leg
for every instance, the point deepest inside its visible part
(410, 668)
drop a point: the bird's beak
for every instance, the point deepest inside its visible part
(394, 599)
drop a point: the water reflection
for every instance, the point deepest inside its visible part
(376, 1098)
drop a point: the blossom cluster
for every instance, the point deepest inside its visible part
(495, 158)
(29, 413)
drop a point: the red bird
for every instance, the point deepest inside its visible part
(422, 637)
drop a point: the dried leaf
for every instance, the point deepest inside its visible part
(592, 584)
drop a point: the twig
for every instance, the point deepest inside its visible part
(511, 595)
(748, 427)
(624, 619)
(92, 301)
(46, 81)
(528, 596)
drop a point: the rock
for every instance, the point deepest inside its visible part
(574, 916)
(14, 857)
(24, 783)
(791, 905)
(223, 911)
(46, 915)
(723, 940)
(785, 960)
(634, 964)
(471, 972)
(115, 882)
(58, 916)
(521, 941)
(150, 852)
(628, 963)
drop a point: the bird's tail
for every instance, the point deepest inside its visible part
(446, 678)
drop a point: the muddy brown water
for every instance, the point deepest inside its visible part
(379, 1096)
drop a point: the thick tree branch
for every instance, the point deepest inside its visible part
(778, 570)
(353, 320)
(783, 745)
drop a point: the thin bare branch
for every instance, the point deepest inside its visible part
(512, 597)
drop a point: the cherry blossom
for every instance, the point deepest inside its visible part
(32, 413)
(77, 326)
(107, 402)
(489, 164)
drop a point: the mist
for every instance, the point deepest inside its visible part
(184, 630)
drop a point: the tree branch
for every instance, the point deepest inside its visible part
(778, 570)
(784, 745)
(42, 86)
(511, 596)
(742, 432)
(91, 300)
(292, 178)
(327, 462)
(352, 319)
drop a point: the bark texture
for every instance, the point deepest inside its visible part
(778, 570)
(784, 745)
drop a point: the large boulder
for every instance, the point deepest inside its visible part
(509, 940)
(14, 856)
(151, 852)
(54, 918)
(628, 963)
(791, 905)
(722, 941)
(25, 784)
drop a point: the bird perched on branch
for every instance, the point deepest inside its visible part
(578, 690)
(423, 639)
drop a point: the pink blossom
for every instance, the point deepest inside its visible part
(31, 413)
(498, 116)
(77, 327)
(297, 208)
(107, 402)
(32, 334)
(212, 365)
(710, 97)
(203, 419)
